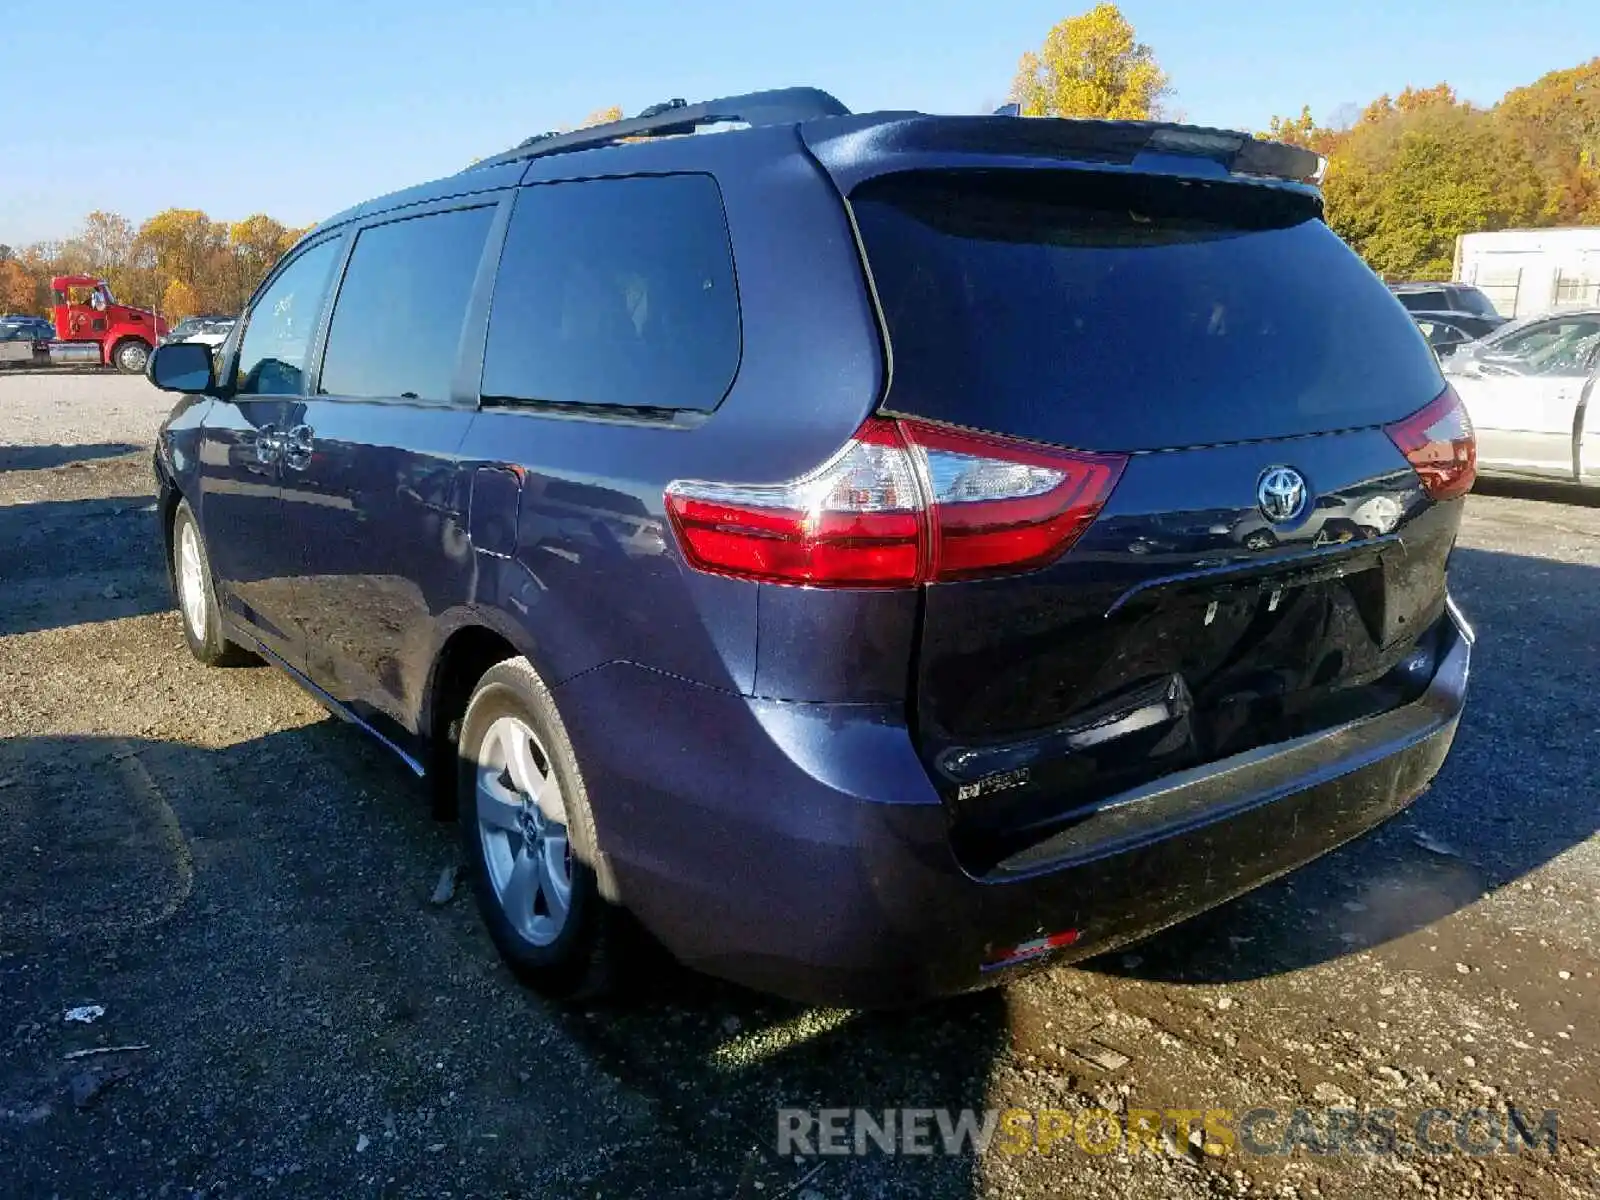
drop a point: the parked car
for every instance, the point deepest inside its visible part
(1446, 331)
(37, 328)
(1529, 387)
(19, 344)
(1444, 297)
(580, 480)
(212, 329)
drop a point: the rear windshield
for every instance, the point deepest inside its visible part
(1131, 312)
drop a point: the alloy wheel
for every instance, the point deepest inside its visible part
(522, 821)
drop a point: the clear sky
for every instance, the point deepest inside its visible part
(299, 108)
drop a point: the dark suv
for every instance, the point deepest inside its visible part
(1445, 297)
(872, 552)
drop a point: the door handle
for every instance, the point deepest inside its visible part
(269, 445)
(297, 447)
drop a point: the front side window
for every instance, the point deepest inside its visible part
(396, 326)
(272, 358)
(615, 292)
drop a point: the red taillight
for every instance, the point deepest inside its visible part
(902, 503)
(1439, 444)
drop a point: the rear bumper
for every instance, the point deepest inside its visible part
(800, 848)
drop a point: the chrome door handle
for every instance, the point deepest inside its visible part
(297, 447)
(269, 445)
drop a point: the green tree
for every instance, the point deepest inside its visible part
(1297, 131)
(1091, 65)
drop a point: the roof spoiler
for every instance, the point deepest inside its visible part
(779, 106)
(856, 148)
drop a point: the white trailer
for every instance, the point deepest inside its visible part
(1528, 271)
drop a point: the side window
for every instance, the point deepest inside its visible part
(272, 359)
(616, 292)
(1559, 347)
(1432, 301)
(396, 325)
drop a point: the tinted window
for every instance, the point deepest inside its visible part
(1134, 312)
(397, 322)
(616, 292)
(1424, 301)
(272, 360)
(1470, 299)
(1441, 334)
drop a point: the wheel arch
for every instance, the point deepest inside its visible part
(168, 497)
(463, 657)
(123, 340)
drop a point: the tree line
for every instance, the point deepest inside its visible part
(178, 262)
(1415, 170)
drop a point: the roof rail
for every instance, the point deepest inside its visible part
(779, 106)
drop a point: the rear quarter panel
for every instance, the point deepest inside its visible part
(594, 574)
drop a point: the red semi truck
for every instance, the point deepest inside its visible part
(92, 327)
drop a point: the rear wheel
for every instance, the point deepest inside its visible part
(529, 838)
(197, 596)
(131, 355)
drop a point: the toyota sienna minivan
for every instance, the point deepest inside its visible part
(872, 553)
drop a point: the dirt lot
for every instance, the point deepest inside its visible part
(243, 884)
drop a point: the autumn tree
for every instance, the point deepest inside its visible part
(182, 244)
(1557, 121)
(254, 245)
(1418, 170)
(1091, 66)
(179, 301)
(17, 293)
(107, 239)
(602, 116)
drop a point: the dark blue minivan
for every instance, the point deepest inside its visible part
(870, 553)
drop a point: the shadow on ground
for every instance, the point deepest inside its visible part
(41, 458)
(70, 562)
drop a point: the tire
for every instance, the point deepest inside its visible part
(197, 595)
(565, 955)
(131, 356)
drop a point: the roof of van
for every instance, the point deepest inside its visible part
(853, 146)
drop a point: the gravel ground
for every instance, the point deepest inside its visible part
(243, 884)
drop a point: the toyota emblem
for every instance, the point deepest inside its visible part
(1281, 493)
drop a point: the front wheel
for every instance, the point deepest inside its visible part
(197, 595)
(529, 837)
(131, 356)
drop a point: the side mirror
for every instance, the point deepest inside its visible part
(182, 367)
